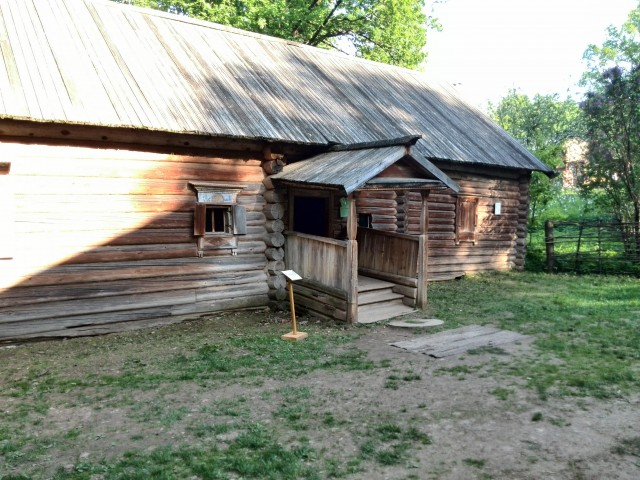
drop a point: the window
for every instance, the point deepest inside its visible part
(217, 218)
(466, 219)
(210, 219)
(365, 220)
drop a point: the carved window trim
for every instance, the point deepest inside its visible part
(217, 218)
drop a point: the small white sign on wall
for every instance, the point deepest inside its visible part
(497, 208)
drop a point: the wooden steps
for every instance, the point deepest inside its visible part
(377, 301)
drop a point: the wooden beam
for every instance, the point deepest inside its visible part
(423, 255)
(351, 270)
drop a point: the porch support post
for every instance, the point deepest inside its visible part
(423, 254)
(352, 262)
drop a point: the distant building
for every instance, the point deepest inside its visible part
(575, 159)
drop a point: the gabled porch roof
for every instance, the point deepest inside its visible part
(352, 167)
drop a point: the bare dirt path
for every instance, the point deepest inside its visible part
(405, 415)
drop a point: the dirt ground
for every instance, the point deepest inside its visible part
(481, 424)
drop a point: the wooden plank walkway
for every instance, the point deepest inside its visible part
(459, 340)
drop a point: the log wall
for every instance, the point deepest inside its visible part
(500, 239)
(103, 240)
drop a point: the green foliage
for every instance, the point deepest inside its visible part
(622, 48)
(613, 118)
(389, 31)
(542, 125)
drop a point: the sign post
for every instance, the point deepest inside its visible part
(295, 335)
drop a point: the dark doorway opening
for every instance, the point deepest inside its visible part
(311, 215)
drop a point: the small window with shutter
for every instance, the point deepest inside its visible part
(217, 217)
(466, 219)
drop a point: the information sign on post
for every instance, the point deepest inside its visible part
(291, 277)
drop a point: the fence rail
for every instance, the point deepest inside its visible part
(592, 247)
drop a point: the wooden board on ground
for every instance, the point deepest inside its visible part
(459, 340)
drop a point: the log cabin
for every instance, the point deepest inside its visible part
(155, 168)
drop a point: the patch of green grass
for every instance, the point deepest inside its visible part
(585, 344)
(390, 444)
(501, 393)
(628, 446)
(458, 370)
(254, 454)
(393, 381)
(475, 462)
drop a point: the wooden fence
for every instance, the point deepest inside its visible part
(330, 271)
(395, 254)
(592, 247)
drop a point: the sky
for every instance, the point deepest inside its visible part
(489, 46)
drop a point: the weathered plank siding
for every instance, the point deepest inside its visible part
(105, 236)
(329, 271)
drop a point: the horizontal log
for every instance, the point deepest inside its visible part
(410, 292)
(388, 194)
(275, 239)
(274, 253)
(319, 287)
(51, 293)
(65, 274)
(322, 296)
(315, 307)
(272, 167)
(274, 211)
(380, 211)
(275, 196)
(274, 226)
(368, 203)
(280, 294)
(275, 266)
(124, 321)
(277, 282)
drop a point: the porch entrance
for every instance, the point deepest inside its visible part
(350, 273)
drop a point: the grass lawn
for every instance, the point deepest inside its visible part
(224, 397)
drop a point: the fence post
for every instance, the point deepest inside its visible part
(548, 240)
(577, 262)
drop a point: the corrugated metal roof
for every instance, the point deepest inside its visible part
(349, 170)
(100, 63)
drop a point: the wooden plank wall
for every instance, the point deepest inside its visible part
(104, 241)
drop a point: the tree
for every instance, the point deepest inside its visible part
(542, 125)
(612, 113)
(390, 31)
(612, 110)
(621, 48)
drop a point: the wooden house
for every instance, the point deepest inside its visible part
(155, 168)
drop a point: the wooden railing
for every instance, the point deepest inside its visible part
(386, 252)
(396, 257)
(319, 259)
